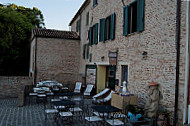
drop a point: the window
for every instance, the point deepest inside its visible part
(124, 73)
(107, 28)
(85, 51)
(108, 25)
(93, 35)
(78, 26)
(95, 2)
(87, 19)
(133, 17)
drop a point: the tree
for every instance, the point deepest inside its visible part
(16, 24)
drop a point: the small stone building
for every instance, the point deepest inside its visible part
(54, 55)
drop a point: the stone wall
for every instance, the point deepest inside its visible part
(11, 86)
(58, 60)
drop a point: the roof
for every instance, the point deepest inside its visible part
(86, 2)
(51, 33)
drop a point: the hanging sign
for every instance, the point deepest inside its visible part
(112, 58)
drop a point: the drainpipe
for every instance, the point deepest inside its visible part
(35, 70)
(177, 60)
(186, 87)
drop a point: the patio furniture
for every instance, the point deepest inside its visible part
(50, 111)
(77, 87)
(41, 98)
(48, 83)
(88, 90)
(101, 94)
(89, 117)
(32, 96)
(104, 100)
(106, 111)
(67, 103)
(65, 113)
(77, 112)
(68, 116)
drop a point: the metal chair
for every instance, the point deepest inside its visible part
(51, 111)
(89, 117)
(31, 96)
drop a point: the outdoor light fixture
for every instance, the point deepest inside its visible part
(144, 54)
(102, 58)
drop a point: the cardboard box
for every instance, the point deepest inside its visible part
(122, 101)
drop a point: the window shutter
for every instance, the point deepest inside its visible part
(84, 48)
(105, 30)
(90, 57)
(90, 36)
(102, 29)
(125, 21)
(87, 18)
(96, 34)
(140, 15)
(112, 28)
(95, 2)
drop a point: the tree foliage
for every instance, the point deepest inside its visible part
(16, 23)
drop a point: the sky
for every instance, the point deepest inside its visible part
(57, 13)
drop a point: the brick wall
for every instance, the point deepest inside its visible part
(157, 39)
(57, 59)
(11, 86)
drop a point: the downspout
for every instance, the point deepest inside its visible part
(178, 9)
(186, 87)
(35, 70)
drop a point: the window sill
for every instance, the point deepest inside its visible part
(95, 5)
(131, 34)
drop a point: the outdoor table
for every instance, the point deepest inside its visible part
(106, 109)
(70, 94)
(66, 103)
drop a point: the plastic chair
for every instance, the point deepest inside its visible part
(88, 90)
(77, 87)
(101, 94)
(104, 100)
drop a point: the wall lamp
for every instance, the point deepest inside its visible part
(144, 54)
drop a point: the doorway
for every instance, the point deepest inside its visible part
(110, 77)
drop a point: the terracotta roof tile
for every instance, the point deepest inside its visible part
(51, 33)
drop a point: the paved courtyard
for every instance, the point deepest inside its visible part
(33, 115)
(29, 115)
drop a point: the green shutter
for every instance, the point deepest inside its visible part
(95, 2)
(96, 34)
(87, 18)
(105, 30)
(125, 21)
(140, 15)
(112, 27)
(90, 57)
(90, 36)
(102, 29)
(84, 49)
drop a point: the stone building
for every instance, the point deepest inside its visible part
(54, 55)
(137, 41)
